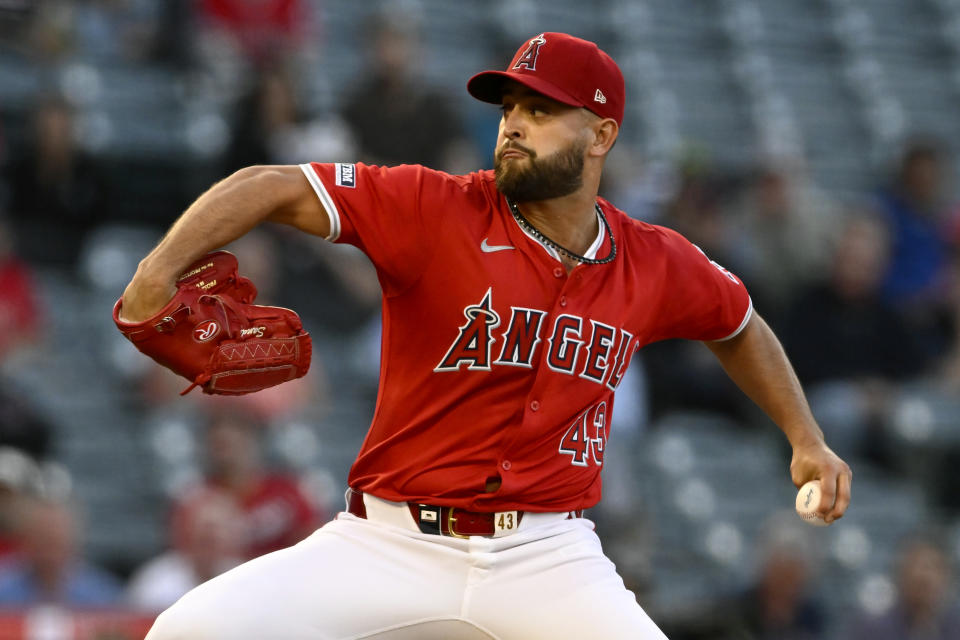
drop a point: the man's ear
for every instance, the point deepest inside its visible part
(605, 134)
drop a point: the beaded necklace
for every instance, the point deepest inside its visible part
(526, 224)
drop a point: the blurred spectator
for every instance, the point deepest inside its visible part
(21, 426)
(258, 30)
(915, 279)
(106, 31)
(394, 116)
(48, 30)
(276, 512)
(949, 370)
(58, 191)
(208, 544)
(682, 374)
(782, 228)
(843, 328)
(135, 31)
(779, 605)
(343, 295)
(14, 18)
(849, 345)
(695, 210)
(18, 477)
(914, 208)
(640, 186)
(4, 159)
(272, 127)
(926, 606)
(48, 568)
(21, 321)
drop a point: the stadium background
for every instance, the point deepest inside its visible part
(808, 146)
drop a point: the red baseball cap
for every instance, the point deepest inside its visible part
(570, 70)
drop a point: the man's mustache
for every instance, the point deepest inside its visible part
(511, 146)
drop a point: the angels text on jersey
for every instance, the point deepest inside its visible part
(575, 346)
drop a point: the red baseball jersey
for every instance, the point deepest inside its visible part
(496, 362)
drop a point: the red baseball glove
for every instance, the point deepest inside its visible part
(211, 333)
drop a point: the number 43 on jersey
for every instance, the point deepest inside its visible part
(587, 436)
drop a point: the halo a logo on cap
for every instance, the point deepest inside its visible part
(206, 330)
(529, 57)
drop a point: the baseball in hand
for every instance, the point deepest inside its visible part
(808, 499)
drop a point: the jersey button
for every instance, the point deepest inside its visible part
(563, 301)
(535, 405)
(558, 272)
(505, 465)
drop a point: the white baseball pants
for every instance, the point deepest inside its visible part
(381, 578)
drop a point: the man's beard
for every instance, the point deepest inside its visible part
(554, 176)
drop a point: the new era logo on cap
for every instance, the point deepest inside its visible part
(568, 69)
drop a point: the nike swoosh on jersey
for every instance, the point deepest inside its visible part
(487, 248)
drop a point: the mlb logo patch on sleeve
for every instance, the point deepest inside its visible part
(346, 175)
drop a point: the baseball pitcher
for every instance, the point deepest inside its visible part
(513, 301)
